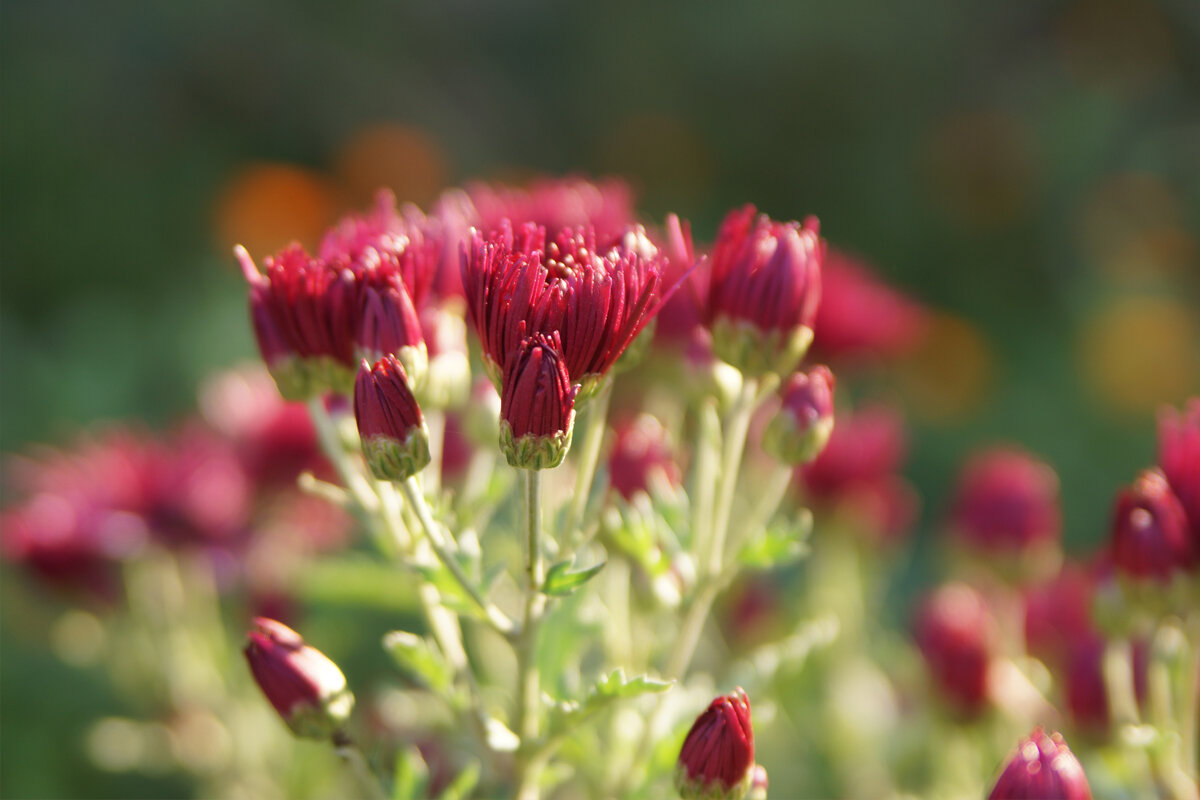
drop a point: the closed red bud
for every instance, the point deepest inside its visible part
(305, 687)
(641, 454)
(1150, 537)
(1179, 459)
(1042, 768)
(395, 441)
(1006, 502)
(956, 634)
(800, 430)
(537, 404)
(717, 759)
(764, 291)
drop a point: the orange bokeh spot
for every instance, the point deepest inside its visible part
(1131, 227)
(400, 157)
(266, 206)
(1138, 352)
(948, 375)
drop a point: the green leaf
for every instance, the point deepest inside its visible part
(561, 581)
(411, 777)
(462, 786)
(780, 544)
(615, 686)
(418, 659)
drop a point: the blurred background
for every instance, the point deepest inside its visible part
(1030, 171)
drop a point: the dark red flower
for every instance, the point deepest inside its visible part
(1058, 613)
(394, 439)
(956, 634)
(597, 296)
(764, 290)
(305, 687)
(385, 238)
(537, 404)
(641, 455)
(717, 758)
(800, 430)
(1006, 502)
(1042, 768)
(1150, 536)
(860, 317)
(1179, 459)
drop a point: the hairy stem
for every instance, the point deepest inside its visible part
(528, 678)
(734, 442)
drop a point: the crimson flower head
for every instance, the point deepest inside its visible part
(537, 404)
(305, 687)
(800, 430)
(764, 290)
(598, 296)
(641, 455)
(717, 759)
(1042, 768)
(956, 632)
(384, 238)
(1150, 537)
(1179, 459)
(314, 319)
(395, 441)
(556, 203)
(1006, 503)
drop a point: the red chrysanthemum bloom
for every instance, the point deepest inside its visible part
(1150, 536)
(956, 633)
(1042, 768)
(556, 203)
(1006, 503)
(597, 297)
(641, 456)
(801, 428)
(403, 240)
(395, 441)
(537, 404)
(1179, 459)
(764, 289)
(860, 317)
(717, 757)
(305, 687)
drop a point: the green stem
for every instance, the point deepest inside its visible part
(434, 535)
(1189, 695)
(734, 442)
(528, 678)
(435, 423)
(704, 478)
(768, 504)
(593, 438)
(348, 751)
(331, 443)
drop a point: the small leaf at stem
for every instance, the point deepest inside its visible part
(411, 777)
(561, 581)
(419, 660)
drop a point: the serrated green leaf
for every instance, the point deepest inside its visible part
(561, 581)
(418, 659)
(411, 777)
(615, 686)
(778, 545)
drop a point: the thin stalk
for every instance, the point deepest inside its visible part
(439, 544)
(704, 478)
(348, 751)
(528, 678)
(331, 443)
(435, 422)
(593, 437)
(768, 504)
(734, 442)
(1189, 699)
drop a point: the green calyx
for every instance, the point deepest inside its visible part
(756, 351)
(394, 460)
(532, 451)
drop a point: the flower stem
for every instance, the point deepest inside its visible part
(528, 678)
(734, 442)
(593, 437)
(439, 544)
(348, 751)
(331, 443)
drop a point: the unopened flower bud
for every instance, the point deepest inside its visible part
(305, 687)
(1150, 539)
(799, 431)
(1042, 767)
(956, 633)
(717, 759)
(390, 326)
(537, 404)
(1006, 503)
(1179, 459)
(758, 783)
(395, 441)
(764, 292)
